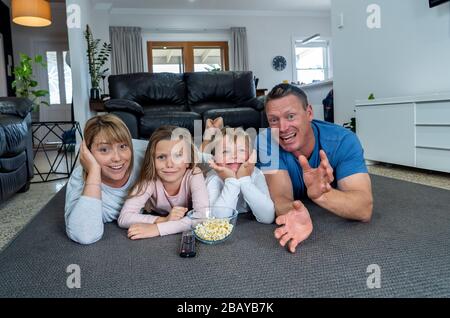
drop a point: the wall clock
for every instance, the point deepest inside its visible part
(279, 63)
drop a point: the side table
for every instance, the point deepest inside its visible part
(261, 91)
(97, 105)
(55, 142)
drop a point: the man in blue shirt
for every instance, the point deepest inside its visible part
(304, 157)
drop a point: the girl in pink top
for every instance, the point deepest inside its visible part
(169, 185)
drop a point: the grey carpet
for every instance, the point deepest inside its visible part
(408, 237)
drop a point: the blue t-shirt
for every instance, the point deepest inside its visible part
(342, 147)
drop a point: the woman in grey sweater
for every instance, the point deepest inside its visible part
(110, 164)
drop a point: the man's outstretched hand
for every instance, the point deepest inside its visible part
(317, 180)
(296, 226)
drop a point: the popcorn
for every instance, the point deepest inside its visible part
(214, 229)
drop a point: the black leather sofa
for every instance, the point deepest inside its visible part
(16, 146)
(146, 101)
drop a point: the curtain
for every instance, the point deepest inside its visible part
(239, 49)
(126, 54)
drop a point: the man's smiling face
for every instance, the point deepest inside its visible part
(290, 122)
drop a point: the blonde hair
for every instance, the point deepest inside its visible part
(110, 127)
(148, 169)
(234, 134)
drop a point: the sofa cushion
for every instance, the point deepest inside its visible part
(11, 182)
(200, 108)
(12, 163)
(149, 89)
(151, 121)
(235, 117)
(206, 90)
(158, 108)
(14, 131)
(124, 105)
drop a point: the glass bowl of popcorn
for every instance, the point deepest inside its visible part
(214, 224)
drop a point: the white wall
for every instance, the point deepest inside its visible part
(409, 55)
(99, 24)
(80, 74)
(267, 36)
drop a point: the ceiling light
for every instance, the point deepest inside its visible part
(33, 13)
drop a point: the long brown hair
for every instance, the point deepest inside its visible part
(110, 127)
(148, 169)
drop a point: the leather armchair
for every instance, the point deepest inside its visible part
(16, 146)
(145, 101)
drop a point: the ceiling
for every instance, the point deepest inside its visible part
(260, 5)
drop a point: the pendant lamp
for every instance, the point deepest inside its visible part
(33, 13)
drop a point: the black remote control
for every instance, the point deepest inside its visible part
(187, 246)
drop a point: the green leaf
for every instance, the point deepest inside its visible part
(40, 93)
(23, 74)
(97, 55)
(24, 58)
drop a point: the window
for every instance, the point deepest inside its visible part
(168, 60)
(208, 59)
(53, 78)
(59, 77)
(179, 57)
(311, 61)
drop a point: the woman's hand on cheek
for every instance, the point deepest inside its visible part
(88, 160)
(142, 230)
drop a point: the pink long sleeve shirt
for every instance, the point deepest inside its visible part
(192, 194)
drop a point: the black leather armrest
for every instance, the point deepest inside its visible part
(260, 101)
(15, 106)
(124, 105)
(255, 103)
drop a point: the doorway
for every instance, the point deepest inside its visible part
(56, 78)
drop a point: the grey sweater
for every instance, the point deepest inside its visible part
(85, 216)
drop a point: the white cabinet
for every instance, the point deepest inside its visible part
(410, 131)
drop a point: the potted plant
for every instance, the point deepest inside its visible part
(97, 57)
(24, 83)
